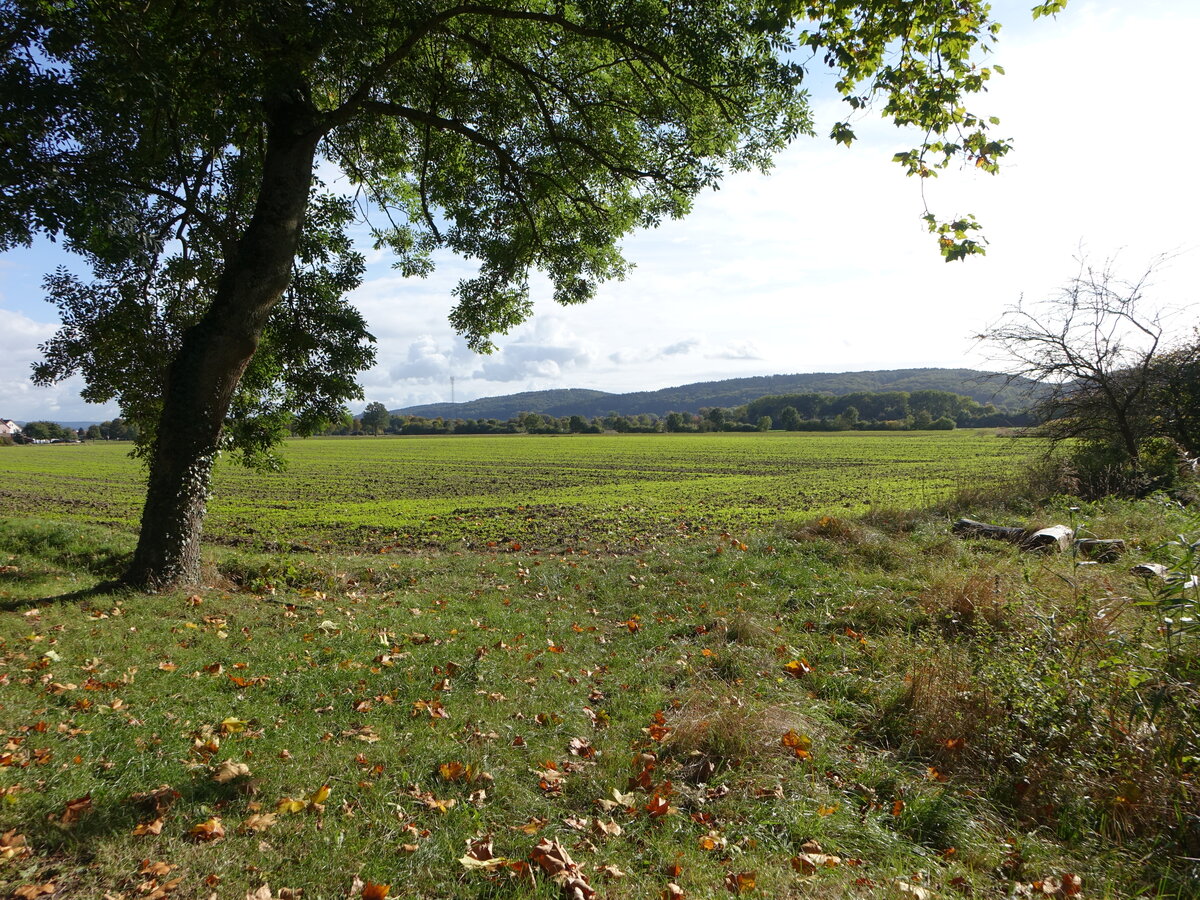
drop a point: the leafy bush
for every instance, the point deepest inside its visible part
(1098, 469)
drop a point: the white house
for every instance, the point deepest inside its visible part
(8, 426)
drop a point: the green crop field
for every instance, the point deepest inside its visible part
(650, 680)
(546, 491)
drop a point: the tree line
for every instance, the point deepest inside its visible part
(117, 429)
(862, 410)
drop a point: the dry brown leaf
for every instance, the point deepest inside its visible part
(658, 807)
(554, 860)
(672, 892)
(442, 806)
(75, 809)
(209, 830)
(797, 668)
(606, 829)
(160, 891)
(31, 891)
(712, 841)
(13, 846)
(812, 858)
(257, 822)
(480, 858)
(155, 868)
(228, 770)
(915, 891)
(581, 747)
(533, 826)
(158, 800)
(145, 828)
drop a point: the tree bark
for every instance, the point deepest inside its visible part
(203, 377)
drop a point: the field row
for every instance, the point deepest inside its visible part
(541, 491)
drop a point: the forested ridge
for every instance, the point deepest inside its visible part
(983, 387)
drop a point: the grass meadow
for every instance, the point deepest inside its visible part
(618, 667)
(548, 491)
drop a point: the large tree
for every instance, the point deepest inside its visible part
(174, 146)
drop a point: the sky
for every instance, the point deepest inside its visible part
(824, 264)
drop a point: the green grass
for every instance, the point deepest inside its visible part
(975, 719)
(550, 492)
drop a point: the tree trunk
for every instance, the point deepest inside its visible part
(213, 354)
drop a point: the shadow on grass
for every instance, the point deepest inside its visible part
(103, 589)
(44, 554)
(112, 813)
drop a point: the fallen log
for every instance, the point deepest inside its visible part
(971, 528)
(1055, 538)
(1150, 570)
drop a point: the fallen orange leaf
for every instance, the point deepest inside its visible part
(797, 667)
(209, 830)
(740, 882)
(145, 828)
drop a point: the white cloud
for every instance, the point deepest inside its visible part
(628, 355)
(428, 360)
(737, 350)
(19, 397)
(543, 349)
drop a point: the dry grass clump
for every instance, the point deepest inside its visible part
(959, 600)
(951, 715)
(858, 543)
(830, 528)
(712, 732)
(742, 628)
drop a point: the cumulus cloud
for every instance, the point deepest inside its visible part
(429, 360)
(19, 337)
(737, 350)
(546, 348)
(653, 354)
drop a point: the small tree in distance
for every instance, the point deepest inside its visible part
(376, 418)
(1095, 349)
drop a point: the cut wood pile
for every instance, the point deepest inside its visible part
(1058, 538)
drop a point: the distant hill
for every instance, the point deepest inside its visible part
(981, 386)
